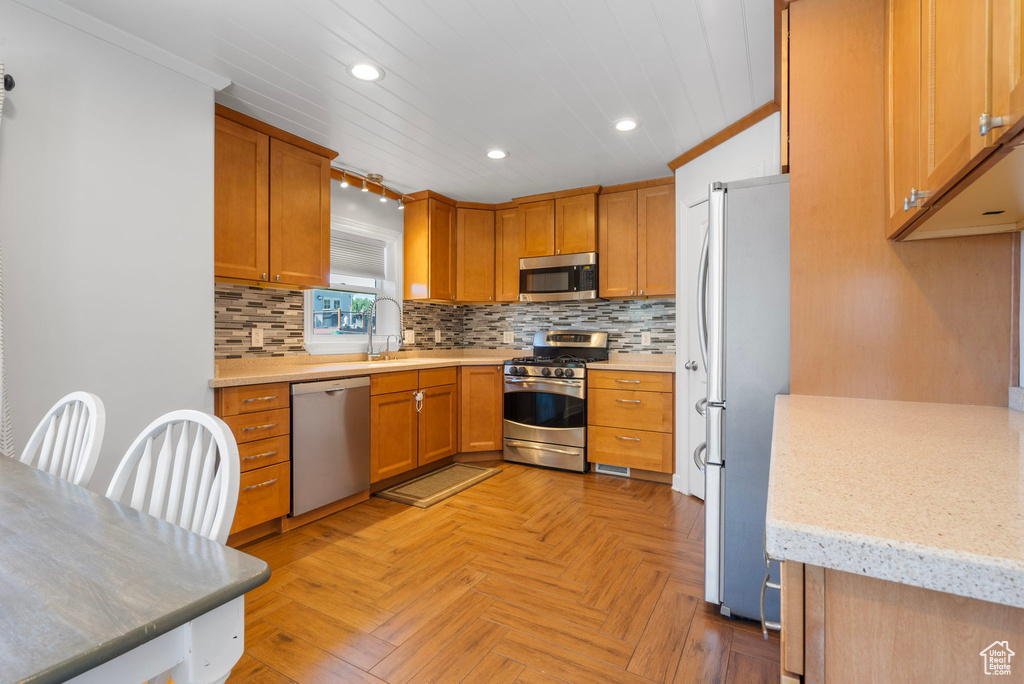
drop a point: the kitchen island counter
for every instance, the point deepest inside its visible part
(927, 495)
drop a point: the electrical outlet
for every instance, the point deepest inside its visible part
(508, 337)
(437, 336)
(409, 337)
(645, 338)
(257, 337)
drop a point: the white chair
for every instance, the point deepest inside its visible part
(67, 441)
(186, 471)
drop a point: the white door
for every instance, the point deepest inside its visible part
(695, 382)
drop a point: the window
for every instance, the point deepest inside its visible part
(363, 267)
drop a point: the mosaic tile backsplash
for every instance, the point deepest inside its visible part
(238, 309)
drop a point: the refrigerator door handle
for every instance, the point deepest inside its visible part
(702, 300)
(716, 294)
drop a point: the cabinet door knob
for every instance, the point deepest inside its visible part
(906, 204)
(986, 123)
(263, 277)
(278, 278)
(630, 292)
(641, 291)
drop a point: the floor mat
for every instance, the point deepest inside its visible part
(426, 490)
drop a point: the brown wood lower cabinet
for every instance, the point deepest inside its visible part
(438, 423)
(263, 494)
(394, 434)
(630, 420)
(406, 433)
(260, 419)
(481, 405)
(840, 627)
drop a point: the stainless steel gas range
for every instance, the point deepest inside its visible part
(546, 399)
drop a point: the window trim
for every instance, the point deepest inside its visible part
(391, 287)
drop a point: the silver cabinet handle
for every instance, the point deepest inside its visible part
(278, 278)
(628, 382)
(918, 196)
(768, 624)
(263, 455)
(701, 406)
(259, 427)
(628, 401)
(906, 204)
(986, 123)
(527, 445)
(627, 439)
(698, 461)
(261, 484)
(246, 401)
(264, 277)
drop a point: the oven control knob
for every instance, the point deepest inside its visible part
(569, 372)
(523, 371)
(559, 372)
(545, 372)
(512, 370)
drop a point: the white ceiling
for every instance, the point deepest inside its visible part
(543, 79)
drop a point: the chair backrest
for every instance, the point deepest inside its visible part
(186, 471)
(67, 441)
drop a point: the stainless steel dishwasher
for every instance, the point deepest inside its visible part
(330, 441)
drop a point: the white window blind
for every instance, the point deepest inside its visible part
(355, 255)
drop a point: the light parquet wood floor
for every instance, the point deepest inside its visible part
(532, 576)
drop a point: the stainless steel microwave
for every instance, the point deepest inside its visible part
(561, 278)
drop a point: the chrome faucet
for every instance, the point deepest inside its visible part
(371, 326)
(387, 346)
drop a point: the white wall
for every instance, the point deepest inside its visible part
(752, 153)
(106, 223)
(365, 207)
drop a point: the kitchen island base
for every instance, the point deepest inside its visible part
(842, 627)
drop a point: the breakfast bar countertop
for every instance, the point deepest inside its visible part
(928, 495)
(84, 579)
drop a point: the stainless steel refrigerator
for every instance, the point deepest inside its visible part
(743, 312)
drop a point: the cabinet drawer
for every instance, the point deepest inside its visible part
(630, 380)
(386, 383)
(435, 377)
(263, 494)
(232, 401)
(264, 452)
(248, 427)
(630, 448)
(634, 410)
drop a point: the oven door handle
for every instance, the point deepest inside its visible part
(558, 381)
(528, 445)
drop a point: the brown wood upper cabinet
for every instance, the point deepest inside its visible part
(271, 207)
(508, 242)
(636, 242)
(430, 250)
(538, 226)
(300, 216)
(954, 99)
(475, 257)
(240, 197)
(576, 224)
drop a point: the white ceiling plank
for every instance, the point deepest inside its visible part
(543, 79)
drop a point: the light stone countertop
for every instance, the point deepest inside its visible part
(930, 495)
(254, 371)
(661, 363)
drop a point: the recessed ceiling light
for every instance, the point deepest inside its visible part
(497, 154)
(367, 72)
(626, 125)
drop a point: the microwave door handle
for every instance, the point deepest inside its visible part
(702, 294)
